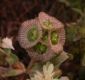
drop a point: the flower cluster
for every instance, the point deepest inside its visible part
(42, 37)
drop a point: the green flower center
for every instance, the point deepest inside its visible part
(48, 23)
(54, 37)
(40, 48)
(32, 34)
(45, 36)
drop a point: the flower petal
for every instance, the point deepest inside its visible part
(7, 43)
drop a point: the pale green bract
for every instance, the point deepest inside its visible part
(11, 58)
(12, 72)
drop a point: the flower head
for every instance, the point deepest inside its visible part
(29, 33)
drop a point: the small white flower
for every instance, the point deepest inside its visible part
(7, 43)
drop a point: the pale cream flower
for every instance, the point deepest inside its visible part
(47, 73)
(7, 43)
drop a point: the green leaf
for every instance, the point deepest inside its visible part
(12, 58)
(72, 33)
(12, 72)
(82, 31)
(76, 5)
(7, 50)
